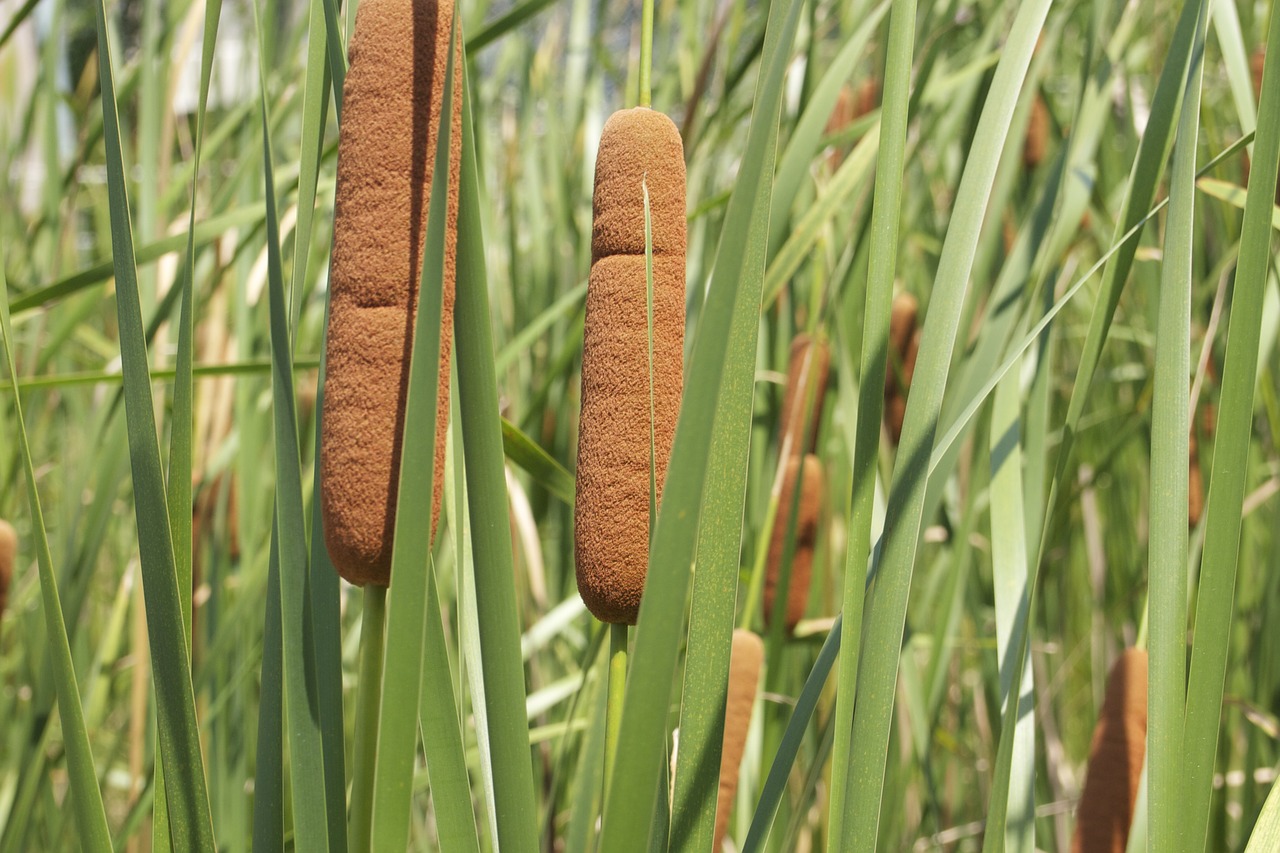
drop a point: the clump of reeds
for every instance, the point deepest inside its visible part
(744, 677)
(904, 346)
(8, 554)
(640, 152)
(390, 120)
(1115, 759)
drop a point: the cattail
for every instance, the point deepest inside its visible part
(639, 149)
(392, 100)
(744, 677)
(807, 370)
(904, 346)
(8, 554)
(1036, 145)
(1115, 759)
(808, 511)
(851, 105)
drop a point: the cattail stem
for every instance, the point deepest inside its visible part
(368, 695)
(617, 691)
(646, 52)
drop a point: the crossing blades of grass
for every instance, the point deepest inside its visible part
(894, 561)
(1227, 481)
(515, 811)
(305, 742)
(885, 220)
(191, 826)
(86, 799)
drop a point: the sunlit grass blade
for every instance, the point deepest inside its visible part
(302, 715)
(885, 221)
(1231, 448)
(411, 562)
(896, 556)
(86, 798)
(738, 277)
(499, 623)
(1266, 832)
(191, 826)
(1167, 549)
(1012, 823)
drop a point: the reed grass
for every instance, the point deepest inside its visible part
(1080, 198)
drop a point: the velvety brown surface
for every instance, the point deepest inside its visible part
(904, 346)
(1115, 760)
(8, 553)
(813, 374)
(386, 152)
(744, 677)
(807, 516)
(611, 513)
(638, 148)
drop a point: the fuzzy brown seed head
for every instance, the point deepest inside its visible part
(392, 99)
(8, 555)
(807, 370)
(744, 678)
(638, 148)
(808, 512)
(1115, 759)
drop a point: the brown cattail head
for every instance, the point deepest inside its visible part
(392, 100)
(1036, 145)
(1115, 759)
(744, 677)
(808, 512)
(8, 555)
(807, 369)
(851, 105)
(639, 149)
(904, 346)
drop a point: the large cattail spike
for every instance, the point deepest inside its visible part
(808, 512)
(744, 678)
(392, 99)
(639, 149)
(1115, 760)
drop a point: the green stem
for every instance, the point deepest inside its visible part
(367, 697)
(646, 52)
(617, 690)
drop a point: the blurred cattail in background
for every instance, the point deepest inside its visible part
(8, 554)
(904, 345)
(803, 396)
(390, 121)
(1115, 759)
(640, 152)
(808, 512)
(744, 676)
